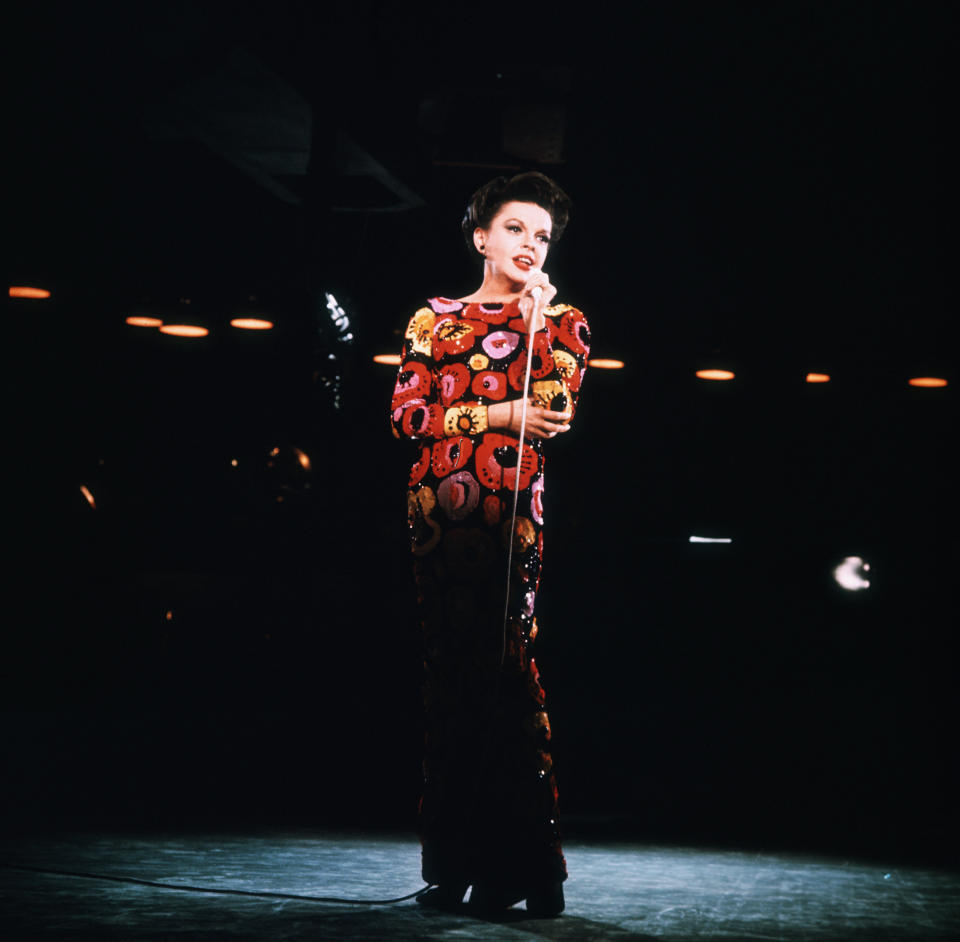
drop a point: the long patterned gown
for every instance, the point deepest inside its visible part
(488, 812)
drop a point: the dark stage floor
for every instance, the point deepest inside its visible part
(615, 891)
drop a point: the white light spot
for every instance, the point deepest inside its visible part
(849, 574)
(710, 539)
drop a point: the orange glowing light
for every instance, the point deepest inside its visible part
(184, 330)
(602, 364)
(388, 359)
(251, 323)
(715, 374)
(818, 377)
(144, 321)
(303, 458)
(275, 452)
(168, 615)
(929, 382)
(86, 493)
(20, 291)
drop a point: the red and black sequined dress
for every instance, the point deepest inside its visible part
(489, 808)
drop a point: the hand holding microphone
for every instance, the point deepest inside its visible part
(540, 293)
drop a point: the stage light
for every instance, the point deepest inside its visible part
(818, 377)
(21, 291)
(928, 382)
(138, 321)
(233, 462)
(86, 493)
(601, 364)
(303, 458)
(184, 330)
(849, 574)
(715, 374)
(710, 539)
(251, 323)
(388, 359)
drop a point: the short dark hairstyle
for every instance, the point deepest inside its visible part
(530, 187)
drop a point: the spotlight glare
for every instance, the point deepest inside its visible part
(138, 321)
(928, 382)
(818, 377)
(184, 330)
(21, 291)
(710, 539)
(715, 374)
(303, 458)
(848, 574)
(388, 359)
(602, 364)
(251, 323)
(86, 493)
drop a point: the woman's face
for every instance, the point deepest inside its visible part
(516, 241)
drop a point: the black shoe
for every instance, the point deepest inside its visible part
(546, 903)
(489, 901)
(448, 896)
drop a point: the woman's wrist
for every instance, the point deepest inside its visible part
(500, 414)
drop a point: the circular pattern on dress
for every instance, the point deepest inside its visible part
(496, 460)
(490, 384)
(413, 380)
(451, 454)
(459, 495)
(454, 380)
(500, 344)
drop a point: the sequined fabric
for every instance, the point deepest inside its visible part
(488, 812)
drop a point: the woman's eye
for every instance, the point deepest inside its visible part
(513, 228)
(544, 239)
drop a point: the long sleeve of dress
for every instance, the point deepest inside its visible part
(421, 406)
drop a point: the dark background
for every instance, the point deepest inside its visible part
(757, 186)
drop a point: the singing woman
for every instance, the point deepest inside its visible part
(488, 814)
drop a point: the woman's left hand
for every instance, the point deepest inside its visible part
(531, 306)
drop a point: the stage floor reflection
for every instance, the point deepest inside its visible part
(616, 891)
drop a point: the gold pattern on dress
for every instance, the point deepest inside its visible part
(544, 391)
(479, 361)
(566, 363)
(524, 534)
(465, 420)
(425, 530)
(453, 330)
(420, 331)
(537, 722)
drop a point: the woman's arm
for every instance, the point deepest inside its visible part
(415, 411)
(541, 422)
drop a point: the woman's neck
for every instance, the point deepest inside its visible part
(496, 289)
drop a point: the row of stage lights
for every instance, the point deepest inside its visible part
(140, 320)
(393, 359)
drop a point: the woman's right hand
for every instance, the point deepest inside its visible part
(541, 422)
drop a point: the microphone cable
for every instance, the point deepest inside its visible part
(535, 293)
(226, 891)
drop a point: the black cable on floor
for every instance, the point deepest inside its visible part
(209, 889)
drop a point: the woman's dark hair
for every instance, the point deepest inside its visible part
(531, 187)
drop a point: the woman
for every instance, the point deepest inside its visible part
(488, 815)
